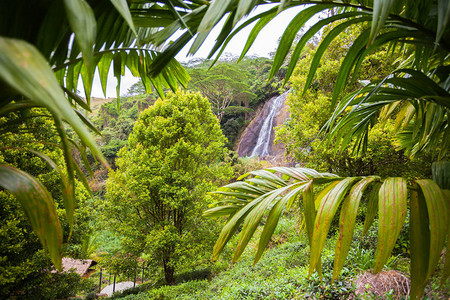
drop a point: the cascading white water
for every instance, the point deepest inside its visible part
(263, 143)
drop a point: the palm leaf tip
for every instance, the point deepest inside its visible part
(325, 213)
(381, 10)
(391, 215)
(32, 194)
(347, 223)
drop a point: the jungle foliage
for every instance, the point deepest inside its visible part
(303, 133)
(24, 264)
(41, 60)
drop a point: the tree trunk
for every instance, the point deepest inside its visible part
(168, 271)
(246, 106)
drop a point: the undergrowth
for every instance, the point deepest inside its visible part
(282, 272)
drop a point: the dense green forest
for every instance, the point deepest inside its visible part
(235, 91)
(150, 187)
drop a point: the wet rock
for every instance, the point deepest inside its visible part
(249, 138)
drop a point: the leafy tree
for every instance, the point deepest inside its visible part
(136, 89)
(155, 197)
(259, 68)
(223, 85)
(116, 123)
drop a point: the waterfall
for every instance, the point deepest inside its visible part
(262, 147)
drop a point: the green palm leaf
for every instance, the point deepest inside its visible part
(407, 85)
(324, 45)
(24, 69)
(391, 217)
(230, 228)
(274, 216)
(289, 34)
(38, 206)
(310, 33)
(420, 252)
(253, 219)
(82, 21)
(122, 7)
(347, 223)
(252, 198)
(381, 10)
(223, 40)
(443, 18)
(438, 220)
(372, 208)
(429, 227)
(325, 213)
(262, 22)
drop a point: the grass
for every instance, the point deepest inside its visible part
(282, 273)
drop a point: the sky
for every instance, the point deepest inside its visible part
(265, 43)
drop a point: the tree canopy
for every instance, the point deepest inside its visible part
(223, 85)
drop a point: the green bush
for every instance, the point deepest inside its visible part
(198, 274)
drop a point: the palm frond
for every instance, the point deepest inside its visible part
(38, 206)
(388, 197)
(428, 228)
(41, 61)
(421, 121)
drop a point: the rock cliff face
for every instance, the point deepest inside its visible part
(258, 137)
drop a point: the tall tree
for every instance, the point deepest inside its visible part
(155, 197)
(223, 85)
